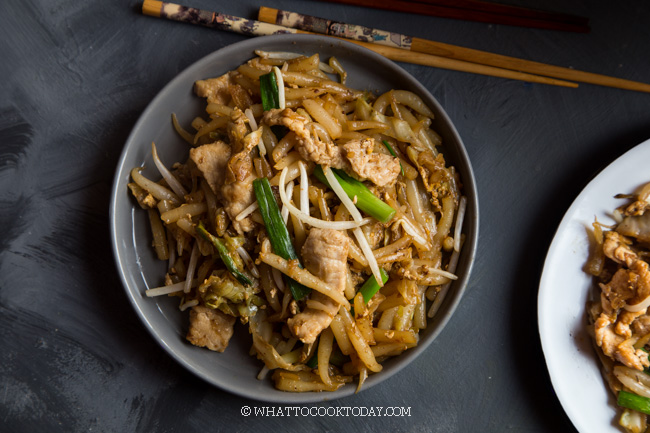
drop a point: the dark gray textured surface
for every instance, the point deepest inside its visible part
(74, 78)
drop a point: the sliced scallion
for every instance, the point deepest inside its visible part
(370, 287)
(365, 200)
(269, 91)
(313, 361)
(224, 254)
(277, 231)
(634, 402)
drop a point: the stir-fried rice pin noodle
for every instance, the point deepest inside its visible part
(321, 216)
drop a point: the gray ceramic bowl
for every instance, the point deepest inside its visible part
(235, 370)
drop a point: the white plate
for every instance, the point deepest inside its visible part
(570, 358)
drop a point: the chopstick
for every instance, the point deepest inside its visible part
(413, 44)
(479, 11)
(248, 27)
(518, 11)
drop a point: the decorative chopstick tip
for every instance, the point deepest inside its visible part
(152, 7)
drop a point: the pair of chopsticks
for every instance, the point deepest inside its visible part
(417, 45)
(410, 50)
(480, 11)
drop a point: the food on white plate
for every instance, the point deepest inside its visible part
(323, 217)
(618, 316)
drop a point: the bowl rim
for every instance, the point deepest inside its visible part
(471, 221)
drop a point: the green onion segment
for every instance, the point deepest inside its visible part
(224, 254)
(269, 91)
(634, 402)
(277, 231)
(365, 200)
(370, 287)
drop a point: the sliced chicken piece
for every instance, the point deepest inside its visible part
(625, 320)
(309, 147)
(355, 157)
(378, 168)
(237, 190)
(641, 326)
(617, 329)
(215, 90)
(210, 328)
(633, 358)
(438, 180)
(605, 336)
(640, 278)
(211, 160)
(628, 286)
(619, 289)
(617, 248)
(237, 129)
(325, 255)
